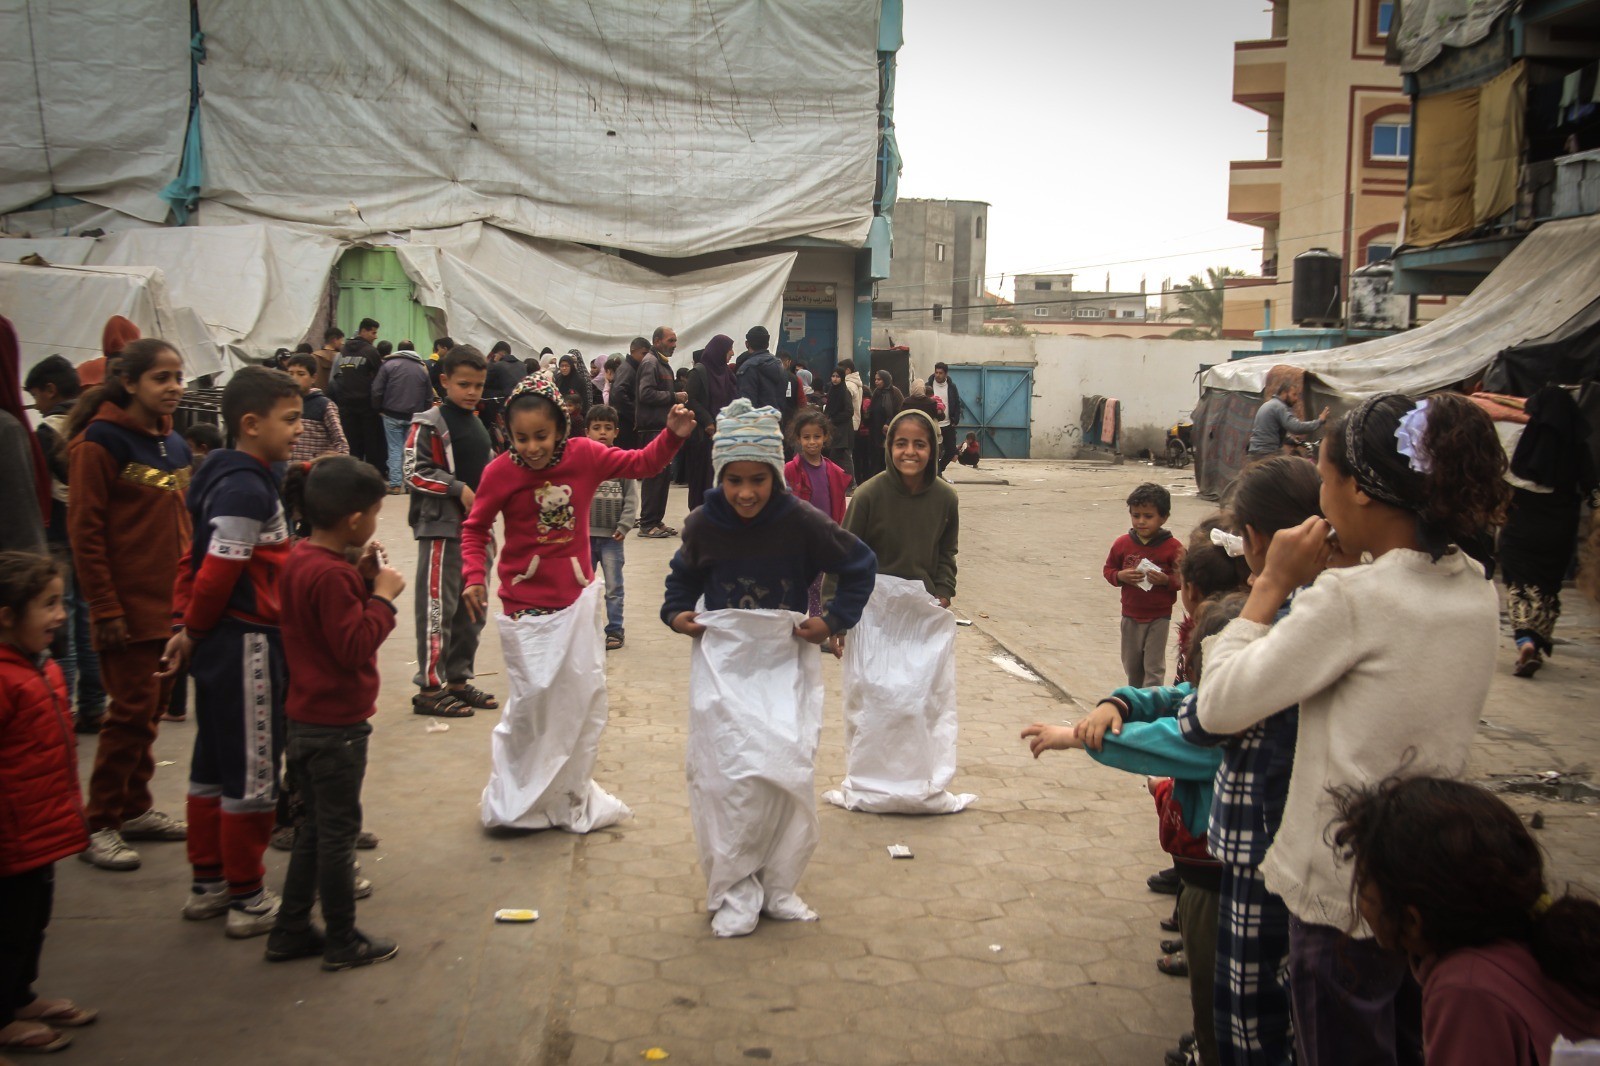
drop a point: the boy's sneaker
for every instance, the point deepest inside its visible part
(284, 944)
(154, 825)
(362, 951)
(212, 902)
(253, 919)
(366, 841)
(109, 851)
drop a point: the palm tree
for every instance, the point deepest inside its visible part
(1200, 302)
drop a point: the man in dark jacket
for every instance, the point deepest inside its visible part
(655, 391)
(942, 388)
(401, 389)
(761, 377)
(351, 385)
(622, 392)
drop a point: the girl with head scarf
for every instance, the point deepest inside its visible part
(885, 404)
(712, 387)
(571, 382)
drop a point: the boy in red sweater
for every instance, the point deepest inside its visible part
(335, 617)
(1144, 564)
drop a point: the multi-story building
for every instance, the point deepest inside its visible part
(936, 268)
(1049, 303)
(1338, 142)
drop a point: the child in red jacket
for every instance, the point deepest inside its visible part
(41, 816)
(815, 479)
(1144, 564)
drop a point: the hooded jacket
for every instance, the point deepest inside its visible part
(768, 562)
(913, 529)
(1494, 1004)
(762, 380)
(240, 545)
(1165, 551)
(402, 387)
(858, 389)
(41, 815)
(127, 521)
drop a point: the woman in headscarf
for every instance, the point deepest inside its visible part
(886, 402)
(24, 476)
(712, 387)
(1552, 472)
(118, 334)
(841, 411)
(572, 383)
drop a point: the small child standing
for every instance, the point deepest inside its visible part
(1144, 563)
(335, 617)
(614, 512)
(446, 452)
(41, 817)
(815, 479)
(752, 547)
(323, 433)
(226, 601)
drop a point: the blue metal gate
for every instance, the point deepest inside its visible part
(997, 405)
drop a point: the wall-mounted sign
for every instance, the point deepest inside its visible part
(811, 294)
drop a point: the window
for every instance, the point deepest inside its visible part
(938, 312)
(977, 228)
(882, 309)
(1088, 312)
(1377, 253)
(1390, 141)
(1041, 312)
(1041, 286)
(1385, 17)
(938, 252)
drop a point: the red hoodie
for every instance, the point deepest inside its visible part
(1166, 551)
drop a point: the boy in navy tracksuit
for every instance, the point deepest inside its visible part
(226, 610)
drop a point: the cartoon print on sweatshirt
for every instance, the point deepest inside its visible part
(555, 508)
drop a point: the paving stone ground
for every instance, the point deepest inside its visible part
(1048, 866)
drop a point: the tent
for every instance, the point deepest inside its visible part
(1534, 306)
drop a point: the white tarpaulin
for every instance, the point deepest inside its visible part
(258, 288)
(545, 745)
(491, 284)
(900, 705)
(63, 310)
(755, 715)
(96, 101)
(1547, 279)
(1426, 28)
(673, 128)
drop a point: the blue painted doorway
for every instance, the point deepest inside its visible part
(811, 335)
(997, 405)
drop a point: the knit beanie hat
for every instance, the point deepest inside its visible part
(541, 385)
(747, 434)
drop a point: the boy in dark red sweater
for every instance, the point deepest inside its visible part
(1144, 564)
(335, 617)
(225, 610)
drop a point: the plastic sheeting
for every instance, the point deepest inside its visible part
(63, 309)
(257, 288)
(900, 705)
(1425, 28)
(96, 101)
(674, 128)
(1548, 279)
(494, 284)
(545, 745)
(755, 716)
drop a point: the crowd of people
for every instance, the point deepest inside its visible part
(1344, 897)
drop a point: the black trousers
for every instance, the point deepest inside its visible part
(25, 901)
(947, 445)
(363, 428)
(325, 767)
(653, 491)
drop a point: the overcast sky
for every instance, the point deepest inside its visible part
(1100, 133)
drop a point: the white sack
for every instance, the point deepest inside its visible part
(755, 714)
(900, 705)
(545, 746)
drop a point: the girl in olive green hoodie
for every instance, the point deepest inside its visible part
(908, 515)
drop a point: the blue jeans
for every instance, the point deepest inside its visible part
(607, 558)
(76, 655)
(394, 433)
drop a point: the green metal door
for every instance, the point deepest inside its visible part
(372, 284)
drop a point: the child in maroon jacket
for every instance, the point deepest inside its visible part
(41, 817)
(1144, 564)
(815, 479)
(335, 617)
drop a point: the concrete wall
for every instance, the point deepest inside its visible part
(1154, 379)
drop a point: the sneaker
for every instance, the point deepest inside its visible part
(253, 919)
(154, 825)
(361, 888)
(366, 841)
(284, 944)
(206, 903)
(363, 951)
(109, 851)
(283, 838)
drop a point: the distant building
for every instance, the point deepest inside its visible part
(936, 268)
(1050, 303)
(1338, 147)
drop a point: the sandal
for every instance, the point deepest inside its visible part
(1528, 662)
(439, 704)
(1171, 947)
(1173, 965)
(34, 1039)
(613, 641)
(659, 533)
(474, 697)
(62, 1014)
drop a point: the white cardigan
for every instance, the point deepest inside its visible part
(1390, 663)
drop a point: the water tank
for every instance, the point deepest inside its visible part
(1373, 304)
(1317, 275)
